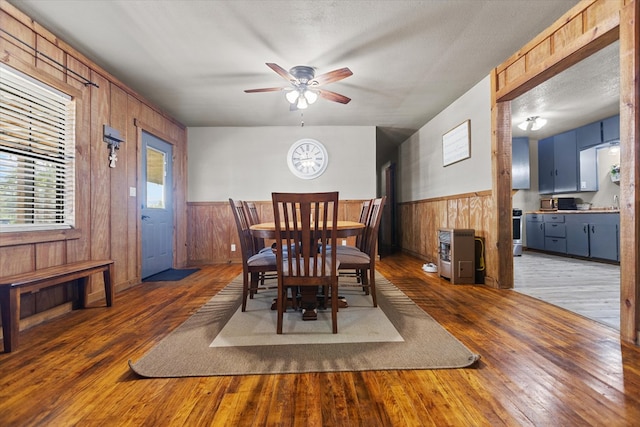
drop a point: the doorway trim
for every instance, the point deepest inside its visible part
(537, 62)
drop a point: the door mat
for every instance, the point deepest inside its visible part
(170, 275)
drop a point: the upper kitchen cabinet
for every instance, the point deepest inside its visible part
(558, 164)
(596, 133)
(520, 170)
(611, 129)
(589, 135)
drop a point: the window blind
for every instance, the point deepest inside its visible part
(37, 154)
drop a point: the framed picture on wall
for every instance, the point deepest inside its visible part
(456, 144)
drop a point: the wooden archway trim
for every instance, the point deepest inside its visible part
(586, 28)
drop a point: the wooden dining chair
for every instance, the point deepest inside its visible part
(253, 217)
(360, 238)
(362, 260)
(307, 222)
(254, 265)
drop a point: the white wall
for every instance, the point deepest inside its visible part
(250, 162)
(421, 174)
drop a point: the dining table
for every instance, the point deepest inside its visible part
(267, 230)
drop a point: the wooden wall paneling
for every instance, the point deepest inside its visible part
(422, 227)
(49, 254)
(199, 230)
(452, 213)
(433, 245)
(17, 259)
(568, 33)
(403, 226)
(80, 249)
(490, 242)
(100, 180)
(51, 51)
(443, 213)
(180, 194)
(476, 219)
(599, 11)
(151, 118)
(223, 227)
(630, 176)
(463, 213)
(118, 186)
(539, 52)
(410, 227)
(417, 235)
(131, 152)
(10, 47)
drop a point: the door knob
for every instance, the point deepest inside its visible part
(145, 217)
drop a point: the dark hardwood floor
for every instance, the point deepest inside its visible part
(541, 366)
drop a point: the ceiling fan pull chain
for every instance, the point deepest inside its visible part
(301, 119)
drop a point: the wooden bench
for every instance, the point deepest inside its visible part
(11, 287)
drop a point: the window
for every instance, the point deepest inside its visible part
(37, 154)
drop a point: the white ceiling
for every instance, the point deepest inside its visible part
(410, 59)
(585, 93)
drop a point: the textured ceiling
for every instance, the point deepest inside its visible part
(410, 59)
(586, 92)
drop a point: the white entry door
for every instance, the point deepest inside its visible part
(157, 205)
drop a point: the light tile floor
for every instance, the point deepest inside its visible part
(589, 288)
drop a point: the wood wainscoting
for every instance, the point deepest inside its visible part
(420, 220)
(211, 229)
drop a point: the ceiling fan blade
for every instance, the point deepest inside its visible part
(332, 96)
(266, 89)
(331, 76)
(282, 72)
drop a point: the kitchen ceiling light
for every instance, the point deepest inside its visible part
(532, 123)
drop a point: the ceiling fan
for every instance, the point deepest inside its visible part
(305, 86)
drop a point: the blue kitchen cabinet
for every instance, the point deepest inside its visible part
(534, 229)
(611, 129)
(589, 135)
(520, 170)
(594, 235)
(558, 164)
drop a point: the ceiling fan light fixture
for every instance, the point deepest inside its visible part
(292, 96)
(311, 96)
(302, 102)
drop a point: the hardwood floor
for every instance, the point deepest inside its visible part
(541, 365)
(589, 288)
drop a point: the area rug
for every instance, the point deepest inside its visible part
(359, 322)
(171, 275)
(188, 350)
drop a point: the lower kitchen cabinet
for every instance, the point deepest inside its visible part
(589, 235)
(594, 235)
(555, 233)
(534, 229)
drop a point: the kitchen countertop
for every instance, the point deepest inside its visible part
(592, 210)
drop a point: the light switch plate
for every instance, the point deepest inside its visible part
(132, 191)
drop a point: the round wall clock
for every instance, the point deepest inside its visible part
(307, 158)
